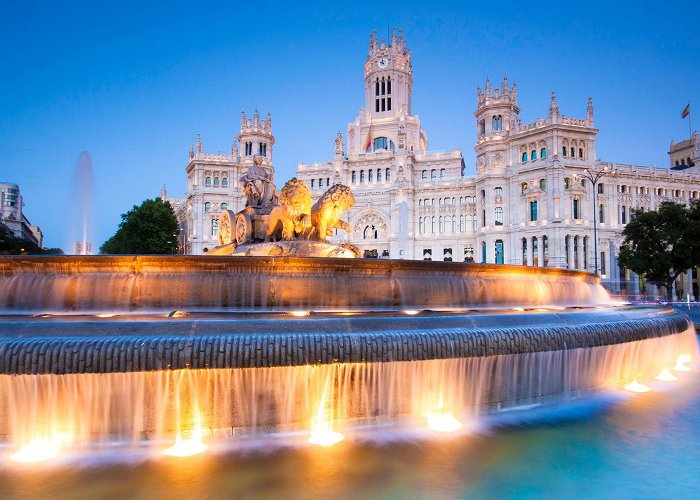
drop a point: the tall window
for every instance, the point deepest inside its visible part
(474, 223)
(563, 151)
(482, 127)
(483, 218)
(601, 188)
(533, 155)
(535, 252)
(224, 182)
(214, 227)
(543, 153)
(533, 211)
(207, 181)
(353, 177)
(623, 213)
(388, 174)
(545, 251)
(441, 227)
(580, 153)
(499, 216)
(370, 233)
(461, 223)
(248, 148)
(424, 175)
(497, 123)
(498, 191)
(370, 175)
(575, 252)
(483, 252)
(379, 175)
(585, 252)
(577, 203)
(207, 206)
(224, 206)
(602, 262)
(524, 251)
(601, 213)
(499, 252)
(216, 181)
(262, 149)
(524, 157)
(433, 174)
(362, 176)
(442, 172)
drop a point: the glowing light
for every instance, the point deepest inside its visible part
(187, 447)
(680, 366)
(105, 315)
(37, 451)
(666, 376)
(635, 386)
(685, 358)
(300, 314)
(519, 309)
(443, 422)
(411, 312)
(325, 437)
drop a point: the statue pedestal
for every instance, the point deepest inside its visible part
(289, 249)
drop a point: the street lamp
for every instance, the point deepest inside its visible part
(594, 175)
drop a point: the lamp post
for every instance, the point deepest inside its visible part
(594, 175)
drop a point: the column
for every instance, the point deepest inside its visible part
(570, 257)
(540, 251)
(689, 284)
(530, 255)
(635, 283)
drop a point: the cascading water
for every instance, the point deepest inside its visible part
(181, 351)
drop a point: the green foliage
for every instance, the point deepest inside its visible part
(11, 245)
(150, 228)
(662, 244)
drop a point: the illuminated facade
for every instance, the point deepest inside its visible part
(12, 214)
(528, 204)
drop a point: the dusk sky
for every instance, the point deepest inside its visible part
(133, 84)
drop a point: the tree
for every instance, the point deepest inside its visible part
(662, 244)
(12, 245)
(150, 228)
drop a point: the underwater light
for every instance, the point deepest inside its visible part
(666, 376)
(635, 386)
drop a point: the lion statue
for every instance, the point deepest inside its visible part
(292, 216)
(327, 211)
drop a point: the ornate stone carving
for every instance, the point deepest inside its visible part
(498, 160)
(258, 187)
(293, 215)
(327, 212)
(339, 144)
(372, 222)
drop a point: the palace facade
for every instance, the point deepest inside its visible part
(530, 203)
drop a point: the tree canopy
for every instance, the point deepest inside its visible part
(662, 244)
(150, 228)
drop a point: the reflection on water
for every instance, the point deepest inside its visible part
(626, 445)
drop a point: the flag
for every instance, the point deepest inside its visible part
(686, 111)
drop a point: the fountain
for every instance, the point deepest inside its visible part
(184, 351)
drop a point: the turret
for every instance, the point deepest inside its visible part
(388, 76)
(554, 106)
(589, 112)
(496, 108)
(256, 136)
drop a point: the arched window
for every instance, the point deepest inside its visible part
(379, 175)
(563, 150)
(362, 176)
(461, 223)
(440, 201)
(498, 191)
(432, 224)
(353, 177)
(442, 225)
(207, 181)
(370, 175)
(454, 224)
(497, 123)
(382, 143)
(262, 149)
(524, 157)
(499, 216)
(370, 232)
(216, 181)
(421, 226)
(573, 155)
(420, 203)
(328, 182)
(433, 174)
(224, 206)
(388, 174)
(313, 183)
(601, 188)
(207, 206)
(424, 175)
(474, 223)
(224, 182)
(442, 172)
(543, 153)
(580, 153)
(533, 155)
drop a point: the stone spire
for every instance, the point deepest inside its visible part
(191, 151)
(488, 86)
(198, 147)
(504, 85)
(554, 107)
(589, 111)
(256, 118)
(234, 148)
(514, 94)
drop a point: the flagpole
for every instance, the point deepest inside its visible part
(690, 129)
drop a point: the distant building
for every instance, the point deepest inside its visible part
(685, 155)
(82, 248)
(12, 214)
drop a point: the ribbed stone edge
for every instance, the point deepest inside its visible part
(130, 354)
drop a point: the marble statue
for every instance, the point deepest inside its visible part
(257, 185)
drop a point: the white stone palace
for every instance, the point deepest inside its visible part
(530, 202)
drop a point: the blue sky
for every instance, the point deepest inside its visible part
(133, 84)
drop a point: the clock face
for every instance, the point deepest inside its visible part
(383, 62)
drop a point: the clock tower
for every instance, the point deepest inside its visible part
(388, 77)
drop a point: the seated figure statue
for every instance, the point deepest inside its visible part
(258, 187)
